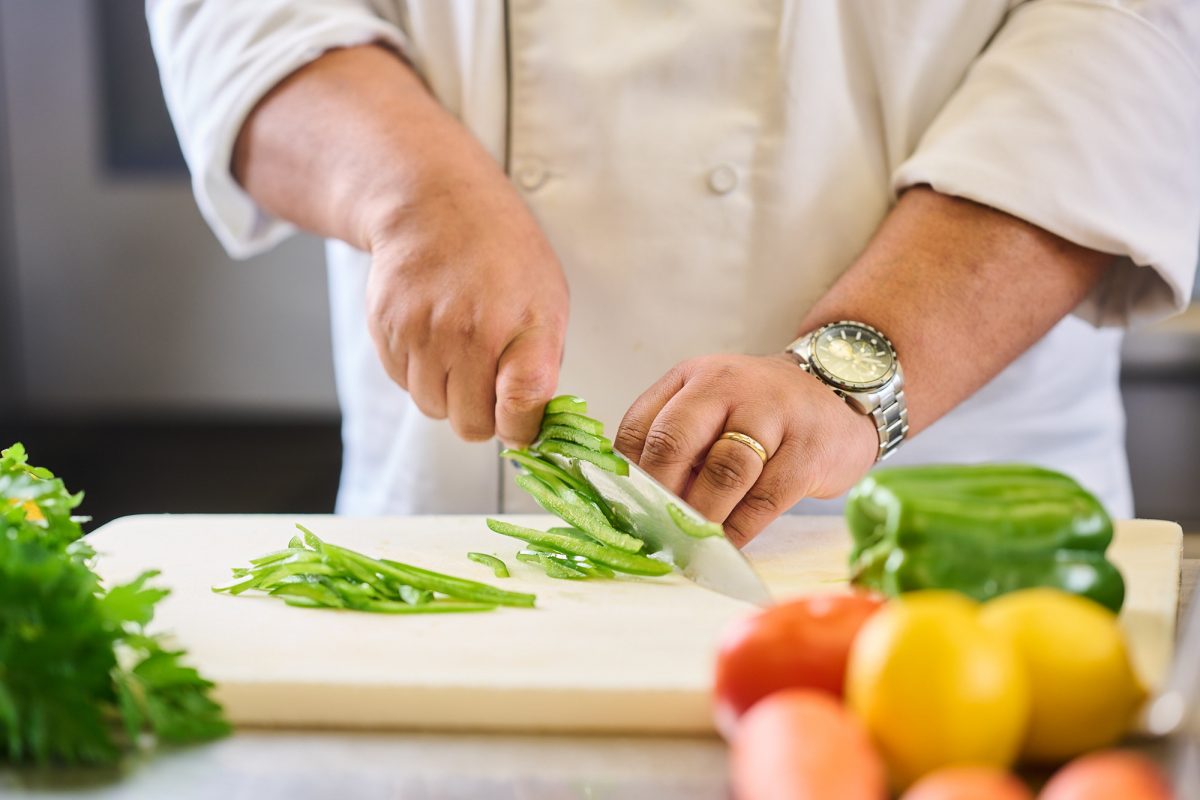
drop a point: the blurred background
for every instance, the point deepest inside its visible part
(140, 362)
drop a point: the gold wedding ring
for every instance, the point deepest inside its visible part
(749, 441)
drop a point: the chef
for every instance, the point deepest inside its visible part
(799, 236)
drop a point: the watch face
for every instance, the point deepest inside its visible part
(853, 355)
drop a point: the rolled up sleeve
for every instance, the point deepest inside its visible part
(1083, 118)
(217, 59)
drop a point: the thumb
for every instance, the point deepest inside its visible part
(525, 381)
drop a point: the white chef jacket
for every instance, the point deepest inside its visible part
(706, 169)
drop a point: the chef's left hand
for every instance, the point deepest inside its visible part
(817, 446)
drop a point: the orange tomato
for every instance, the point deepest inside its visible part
(800, 744)
(1108, 775)
(969, 783)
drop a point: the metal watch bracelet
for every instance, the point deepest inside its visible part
(891, 420)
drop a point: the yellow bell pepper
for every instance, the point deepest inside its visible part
(1084, 690)
(935, 687)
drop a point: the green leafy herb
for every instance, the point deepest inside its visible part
(35, 505)
(81, 680)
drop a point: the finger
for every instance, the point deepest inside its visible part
(780, 486)
(525, 381)
(631, 435)
(732, 467)
(471, 398)
(394, 359)
(681, 435)
(427, 384)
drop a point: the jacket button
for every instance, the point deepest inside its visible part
(723, 179)
(531, 174)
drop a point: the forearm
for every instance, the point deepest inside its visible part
(961, 290)
(346, 144)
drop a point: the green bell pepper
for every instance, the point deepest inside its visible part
(982, 530)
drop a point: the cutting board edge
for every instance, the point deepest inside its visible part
(461, 708)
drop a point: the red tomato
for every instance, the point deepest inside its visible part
(801, 643)
(800, 744)
(969, 783)
(1108, 775)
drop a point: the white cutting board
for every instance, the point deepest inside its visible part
(630, 654)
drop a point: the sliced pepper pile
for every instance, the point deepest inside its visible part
(312, 573)
(597, 542)
(982, 530)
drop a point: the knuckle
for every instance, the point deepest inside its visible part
(458, 322)
(403, 328)
(738, 532)
(664, 443)
(629, 437)
(725, 471)
(527, 391)
(723, 372)
(765, 501)
(474, 431)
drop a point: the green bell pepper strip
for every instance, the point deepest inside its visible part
(459, 588)
(588, 568)
(435, 607)
(577, 421)
(568, 403)
(576, 510)
(697, 530)
(315, 592)
(560, 569)
(572, 532)
(982, 530)
(279, 555)
(303, 602)
(610, 462)
(547, 471)
(552, 567)
(412, 596)
(496, 565)
(272, 575)
(564, 433)
(619, 560)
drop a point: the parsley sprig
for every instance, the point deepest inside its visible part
(81, 680)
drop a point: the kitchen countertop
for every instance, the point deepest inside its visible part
(298, 765)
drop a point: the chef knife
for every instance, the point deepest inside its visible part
(712, 561)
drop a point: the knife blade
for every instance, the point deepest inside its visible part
(712, 562)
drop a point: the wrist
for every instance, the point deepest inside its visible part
(858, 363)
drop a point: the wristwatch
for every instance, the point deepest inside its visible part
(859, 363)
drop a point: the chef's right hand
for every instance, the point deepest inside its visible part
(465, 300)
(467, 303)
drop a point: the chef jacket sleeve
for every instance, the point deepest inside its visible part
(217, 59)
(1083, 118)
